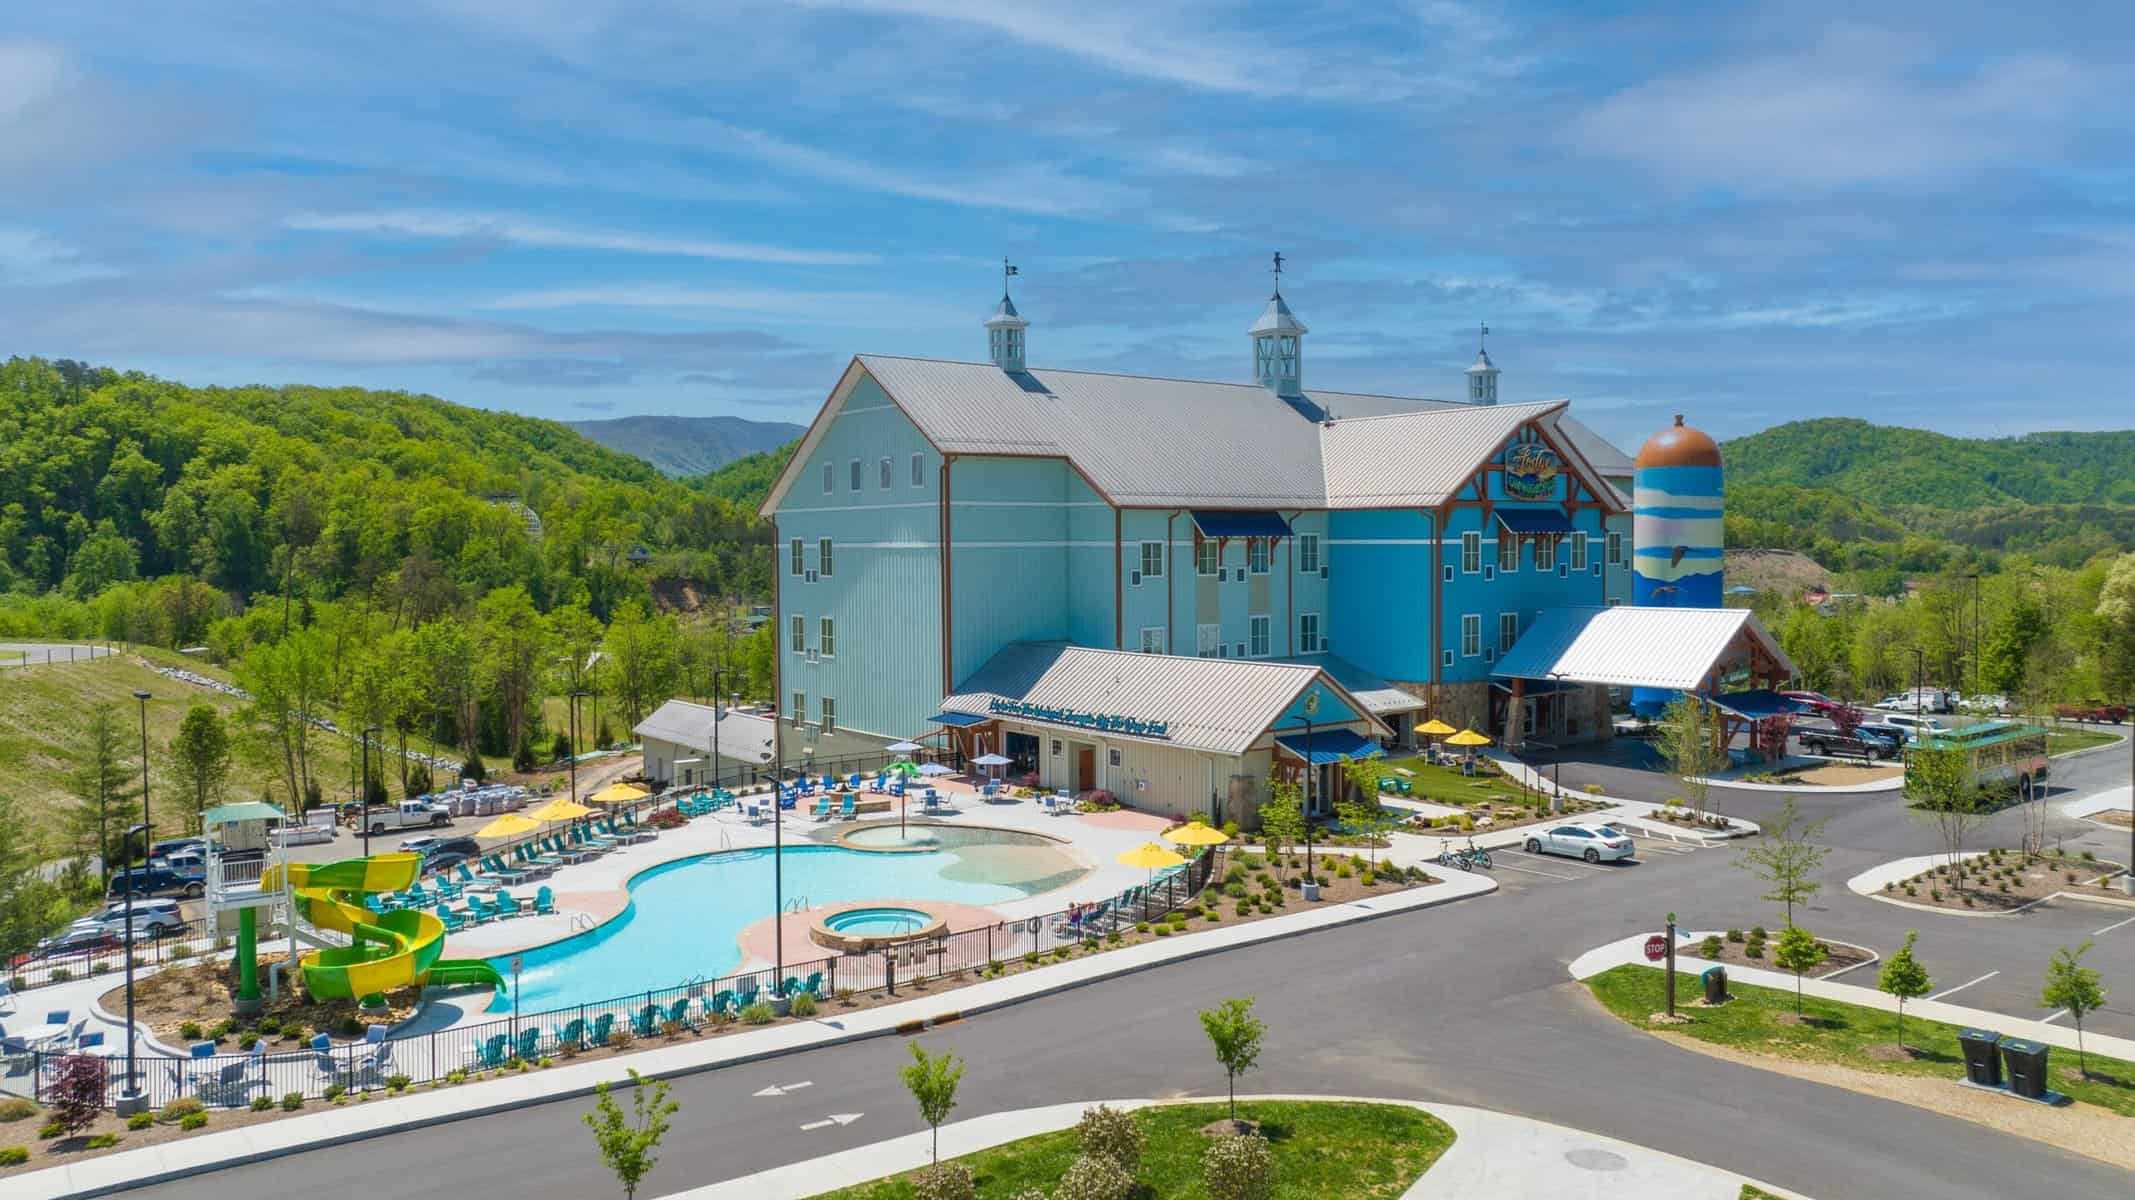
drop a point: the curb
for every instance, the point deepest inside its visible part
(621, 1065)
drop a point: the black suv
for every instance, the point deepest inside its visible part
(1861, 743)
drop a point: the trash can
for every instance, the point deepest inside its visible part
(2026, 1061)
(1982, 1065)
(1715, 979)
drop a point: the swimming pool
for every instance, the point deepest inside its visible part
(685, 917)
(879, 920)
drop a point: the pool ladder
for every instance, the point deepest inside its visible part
(796, 904)
(582, 921)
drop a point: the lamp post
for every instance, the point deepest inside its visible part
(718, 674)
(2127, 878)
(1919, 682)
(1974, 577)
(1556, 783)
(363, 794)
(574, 697)
(131, 1100)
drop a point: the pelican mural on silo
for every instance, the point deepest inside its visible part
(1676, 531)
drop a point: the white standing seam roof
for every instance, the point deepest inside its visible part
(1216, 704)
(1381, 697)
(743, 737)
(1633, 647)
(1164, 443)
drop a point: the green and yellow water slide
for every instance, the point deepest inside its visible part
(391, 950)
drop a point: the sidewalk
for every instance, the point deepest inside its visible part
(1493, 1155)
(1632, 950)
(273, 1139)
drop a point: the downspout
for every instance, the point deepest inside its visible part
(1171, 580)
(948, 682)
(1119, 585)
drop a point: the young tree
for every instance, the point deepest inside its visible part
(76, 1093)
(2075, 987)
(1785, 858)
(1903, 977)
(99, 784)
(932, 1080)
(31, 906)
(1938, 784)
(514, 646)
(627, 1143)
(1282, 821)
(1359, 805)
(1685, 742)
(202, 748)
(289, 682)
(1236, 1034)
(1798, 951)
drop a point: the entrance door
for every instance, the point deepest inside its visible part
(1085, 768)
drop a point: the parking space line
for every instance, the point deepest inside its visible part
(2115, 925)
(1962, 986)
(2057, 1016)
(1525, 870)
(1556, 860)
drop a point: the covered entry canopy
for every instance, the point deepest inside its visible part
(1682, 649)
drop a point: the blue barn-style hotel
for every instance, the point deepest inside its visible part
(1152, 586)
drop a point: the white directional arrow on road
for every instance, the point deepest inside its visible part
(777, 1090)
(835, 1119)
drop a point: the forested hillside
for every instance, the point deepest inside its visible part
(1885, 502)
(681, 447)
(746, 481)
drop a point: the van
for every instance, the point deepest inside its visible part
(1916, 725)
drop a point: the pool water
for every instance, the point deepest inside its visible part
(879, 922)
(685, 917)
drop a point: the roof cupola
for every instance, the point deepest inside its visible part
(1482, 377)
(1004, 329)
(1278, 344)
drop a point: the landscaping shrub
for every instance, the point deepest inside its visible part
(1163, 931)
(803, 1004)
(1235, 875)
(14, 1156)
(292, 1101)
(75, 1097)
(333, 1091)
(1341, 869)
(61, 975)
(262, 1103)
(397, 1083)
(192, 1121)
(15, 1108)
(140, 1120)
(51, 1129)
(1754, 949)
(1367, 878)
(269, 1025)
(1245, 908)
(1091, 1177)
(102, 1141)
(945, 1181)
(1757, 933)
(190, 1031)
(758, 1013)
(1234, 890)
(1711, 946)
(1239, 1168)
(1107, 1132)
(248, 1041)
(186, 1106)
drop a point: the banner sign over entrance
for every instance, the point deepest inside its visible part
(1102, 722)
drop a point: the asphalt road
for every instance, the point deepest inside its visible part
(1468, 1004)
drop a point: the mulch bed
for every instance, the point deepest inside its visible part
(1838, 956)
(2005, 880)
(205, 993)
(1502, 817)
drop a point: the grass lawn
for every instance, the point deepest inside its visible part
(2061, 741)
(1446, 785)
(1355, 1151)
(1842, 1034)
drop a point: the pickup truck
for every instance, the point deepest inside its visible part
(2110, 713)
(408, 814)
(1860, 744)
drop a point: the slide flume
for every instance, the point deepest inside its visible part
(391, 950)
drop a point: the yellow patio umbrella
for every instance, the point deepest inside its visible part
(1195, 833)
(1467, 737)
(560, 809)
(509, 825)
(618, 793)
(1434, 727)
(1151, 856)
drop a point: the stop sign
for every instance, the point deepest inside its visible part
(1656, 948)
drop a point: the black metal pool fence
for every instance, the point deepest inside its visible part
(291, 1066)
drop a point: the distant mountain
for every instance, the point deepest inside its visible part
(685, 446)
(747, 480)
(1860, 496)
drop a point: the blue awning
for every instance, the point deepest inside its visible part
(1757, 705)
(1331, 746)
(1536, 687)
(1534, 520)
(1230, 523)
(958, 720)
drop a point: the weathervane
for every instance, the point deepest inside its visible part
(1482, 339)
(1278, 272)
(1008, 271)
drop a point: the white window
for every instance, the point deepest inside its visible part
(1471, 634)
(1112, 756)
(1615, 548)
(800, 558)
(826, 637)
(856, 475)
(1152, 639)
(1579, 551)
(830, 477)
(887, 473)
(1308, 553)
(1471, 552)
(822, 557)
(919, 470)
(1208, 556)
(1152, 560)
(1545, 553)
(1508, 631)
(1256, 636)
(1208, 640)
(1308, 633)
(797, 630)
(830, 714)
(1258, 552)
(800, 708)
(1508, 552)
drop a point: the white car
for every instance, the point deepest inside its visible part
(1914, 725)
(1594, 843)
(151, 915)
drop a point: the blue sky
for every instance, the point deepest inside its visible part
(1919, 213)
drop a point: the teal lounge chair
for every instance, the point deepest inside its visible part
(850, 809)
(603, 1025)
(721, 1001)
(821, 811)
(545, 901)
(507, 904)
(493, 1053)
(529, 1047)
(452, 919)
(679, 1011)
(745, 995)
(814, 986)
(647, 1022)
(573, 1034)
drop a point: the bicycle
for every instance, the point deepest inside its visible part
(1467, 858)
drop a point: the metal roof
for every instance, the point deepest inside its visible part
(1176, 443)
(1377, 695)
(1634, 647)
(1758, 704)
(1329, 746)
(1277, 318)
(743, 737)
(1006, 316)
(1216, 704)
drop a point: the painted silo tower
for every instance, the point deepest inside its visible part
(1676, 534)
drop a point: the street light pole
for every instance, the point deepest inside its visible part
(1556, 802)
(1975, 632)
(574, 696)
(718, 674)
(131, 1100)
(363, 794)
(1311, 708)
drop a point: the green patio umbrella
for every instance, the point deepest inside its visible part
(904, 766)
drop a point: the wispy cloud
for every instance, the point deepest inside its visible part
(528, 231)
(31, 257)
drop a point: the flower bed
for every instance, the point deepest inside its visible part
(2002, 880)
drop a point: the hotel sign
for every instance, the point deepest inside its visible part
(1531, 471)
(1102, 722)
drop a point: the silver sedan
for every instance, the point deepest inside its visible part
(1594, 843)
